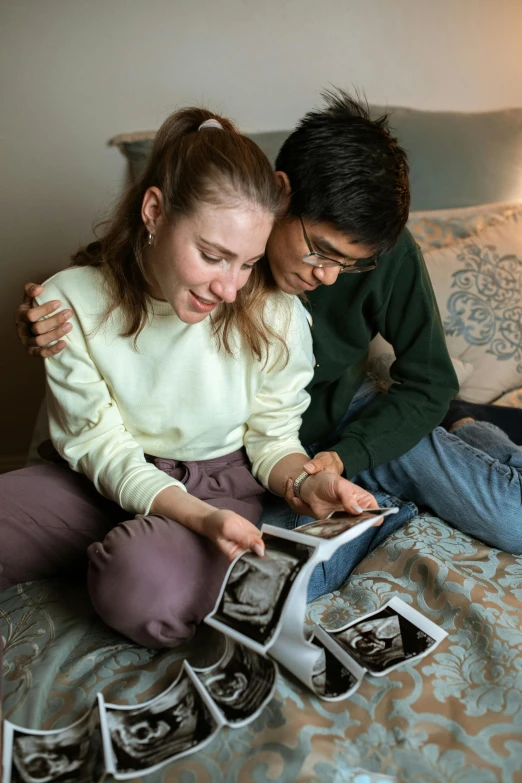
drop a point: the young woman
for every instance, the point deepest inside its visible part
(182, 387)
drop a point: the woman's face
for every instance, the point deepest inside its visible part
(201, 261)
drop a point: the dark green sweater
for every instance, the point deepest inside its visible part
(396, 300)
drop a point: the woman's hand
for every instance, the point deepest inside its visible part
(35, 335)
(232, 533)
(325, 492)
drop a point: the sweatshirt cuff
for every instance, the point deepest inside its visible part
(139, 490)
(354, 454)
(268, 463)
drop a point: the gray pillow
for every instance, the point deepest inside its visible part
(457, 159)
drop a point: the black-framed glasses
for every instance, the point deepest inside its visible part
(357, 266)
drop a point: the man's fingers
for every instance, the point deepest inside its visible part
(57, 328)
(313, 466)
(34, 314)
(45, 353)
(43, 340)
(33, 289)
(325, 460)
(48, 324)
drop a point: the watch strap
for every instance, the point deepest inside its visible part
(298, 484)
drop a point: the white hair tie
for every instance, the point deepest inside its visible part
(212, 123)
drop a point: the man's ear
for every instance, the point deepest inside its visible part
(284, 186)
(152, 209)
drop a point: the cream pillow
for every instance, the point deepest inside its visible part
(381, 356)
(478, 286)
(441, 227)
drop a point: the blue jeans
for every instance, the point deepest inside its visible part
(472, 480)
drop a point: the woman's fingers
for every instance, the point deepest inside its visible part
(239, 535)
(299, 506)
(364, 498)
(258, 547)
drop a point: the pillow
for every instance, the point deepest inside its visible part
(478, 286)
(381, 356)
(460, 158)
(456, 158)
(136, 147)
(441, 227)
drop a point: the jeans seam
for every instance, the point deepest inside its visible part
(482, 456)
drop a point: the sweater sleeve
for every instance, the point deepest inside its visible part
(87, 429)
(423, 374)
(273, 427)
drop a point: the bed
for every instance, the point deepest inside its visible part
(455, 716)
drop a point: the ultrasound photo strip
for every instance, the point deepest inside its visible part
(70, 755)
(260, 610)
(257, 591)
(381, 641)
(335, 677)
(140, 739)
(240, 684)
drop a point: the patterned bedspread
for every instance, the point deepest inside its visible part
(455, 716)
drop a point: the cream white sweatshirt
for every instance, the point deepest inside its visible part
(175, 396)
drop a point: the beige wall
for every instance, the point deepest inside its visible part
(76, 72)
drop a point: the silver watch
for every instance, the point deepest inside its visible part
(298, 483)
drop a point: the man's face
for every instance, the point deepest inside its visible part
(286, 247)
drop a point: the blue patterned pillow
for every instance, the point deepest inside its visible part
(478, 286)
(442, 227)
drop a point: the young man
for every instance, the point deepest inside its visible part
(346, 182)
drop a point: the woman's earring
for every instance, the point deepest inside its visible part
(150, 240)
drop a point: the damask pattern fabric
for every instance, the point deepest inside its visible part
(478, 286)
(443, 227)
(455, 717)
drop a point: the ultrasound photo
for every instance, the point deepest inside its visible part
(330, 678)
(240, 684)
(336, 525)
(70, 755)
(142, 738)
(257, 588)
(383, 640)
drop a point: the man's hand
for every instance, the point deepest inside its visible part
(232, 533)
(35, 335)
(325, 492)
(325, 460)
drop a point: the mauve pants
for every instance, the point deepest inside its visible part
(150, 578)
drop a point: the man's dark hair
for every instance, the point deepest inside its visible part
(346, 168)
